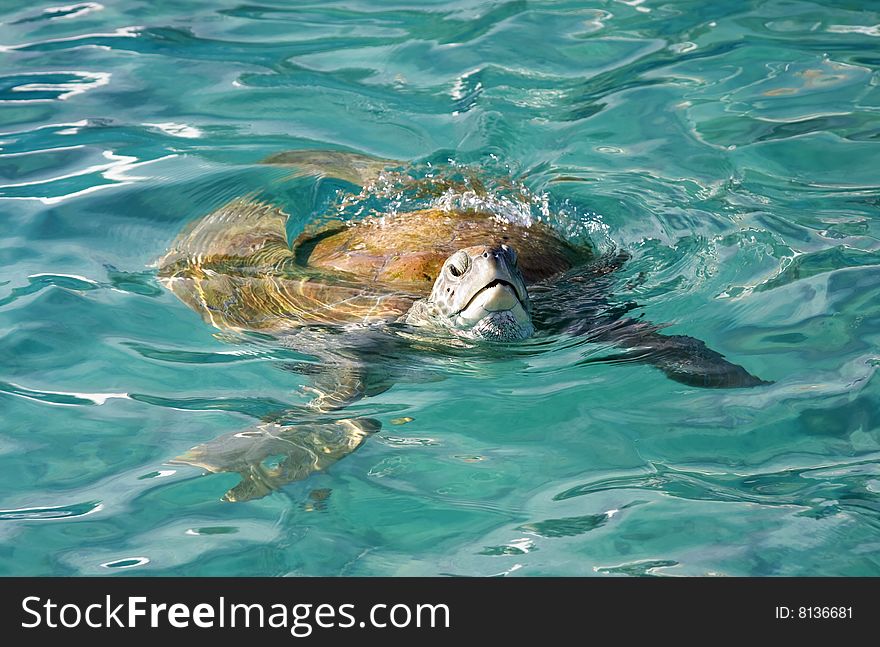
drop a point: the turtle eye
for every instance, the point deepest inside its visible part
(458, 264)
(511, 254)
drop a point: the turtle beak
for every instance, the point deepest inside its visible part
(497, 296)
(498, 284)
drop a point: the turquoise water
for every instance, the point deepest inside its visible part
(732, 148)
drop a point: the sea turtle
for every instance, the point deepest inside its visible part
(357, 294)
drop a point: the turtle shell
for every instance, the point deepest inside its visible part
(408, 249)
(236, 268)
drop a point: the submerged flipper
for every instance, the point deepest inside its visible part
(690, 361)
(579, 303)
(341, 385)
(298, 442)
(271, 455)
(682, 358)
(353, 363)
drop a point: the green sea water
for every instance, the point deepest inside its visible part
(731, 148)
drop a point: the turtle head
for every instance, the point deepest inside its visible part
(479, 293)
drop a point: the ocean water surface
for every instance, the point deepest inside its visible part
(731, 148)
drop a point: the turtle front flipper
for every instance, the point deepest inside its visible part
(272, 455)
(351, 167)
(689, 361)
(682, 358)
(341, 385)
(351, 363)
(579, 303)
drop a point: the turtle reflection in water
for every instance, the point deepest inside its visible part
(358, 294)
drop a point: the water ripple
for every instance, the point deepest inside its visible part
(51, 513)
(789, 487)
(63, 13)
(49, 86)
(60, 397)
(81, 40)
